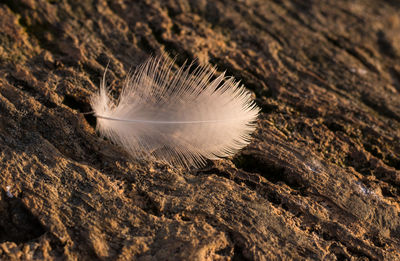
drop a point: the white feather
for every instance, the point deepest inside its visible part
(176, 116)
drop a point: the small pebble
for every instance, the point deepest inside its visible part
(8, 192)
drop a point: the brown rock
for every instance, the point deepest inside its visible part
(320, 181)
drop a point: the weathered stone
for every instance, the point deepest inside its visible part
(321, 180)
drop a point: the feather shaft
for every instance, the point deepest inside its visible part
(163, 122)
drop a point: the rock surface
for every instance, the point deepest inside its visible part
(321, 180)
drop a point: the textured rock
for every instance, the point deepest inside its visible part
(320, 181)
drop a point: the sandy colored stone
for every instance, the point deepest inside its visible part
(320, 181)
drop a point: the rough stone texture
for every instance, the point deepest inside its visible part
(320, 181)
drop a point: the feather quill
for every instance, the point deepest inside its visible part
(178, 116)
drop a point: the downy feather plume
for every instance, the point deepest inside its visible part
(178, 116)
